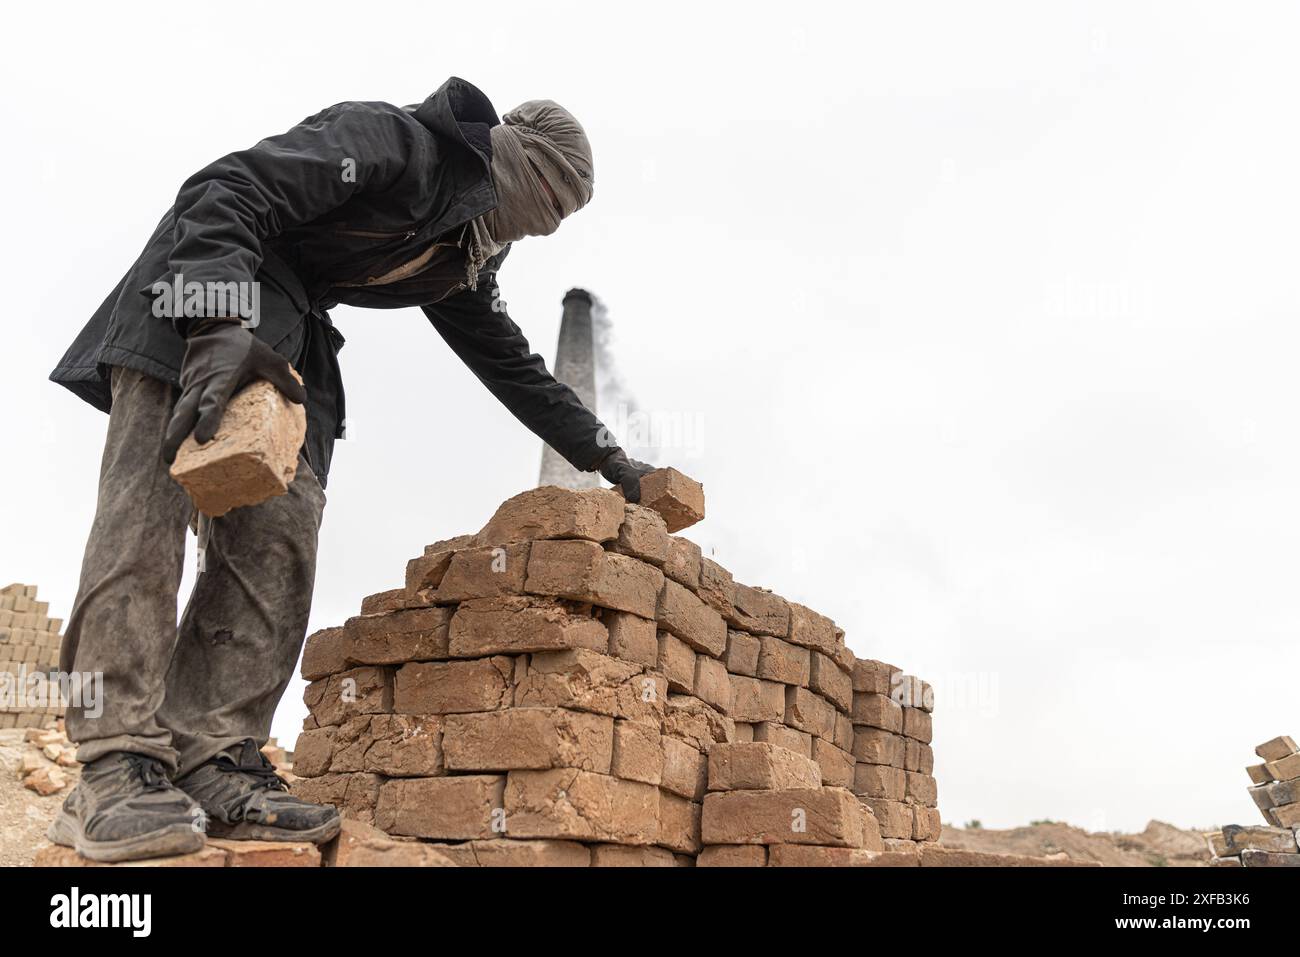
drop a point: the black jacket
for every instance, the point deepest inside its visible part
(346, 195)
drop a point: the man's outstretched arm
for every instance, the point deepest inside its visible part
(477, 327)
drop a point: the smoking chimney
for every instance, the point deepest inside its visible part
(575, 366)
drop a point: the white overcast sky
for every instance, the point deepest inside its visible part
(983, 316)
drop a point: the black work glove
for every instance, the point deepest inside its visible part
(620, 470)
(220, 359)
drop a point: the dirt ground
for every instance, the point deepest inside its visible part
(24, 814)
(1160, 845)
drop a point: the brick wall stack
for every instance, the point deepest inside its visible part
(894, 769)
(577, 685)
(1276, 792)
(29, 644)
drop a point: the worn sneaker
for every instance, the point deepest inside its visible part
(246, 800)
(125, 809)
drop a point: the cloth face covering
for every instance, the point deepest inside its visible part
(537, 144)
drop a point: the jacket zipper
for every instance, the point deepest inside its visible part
(373, 234)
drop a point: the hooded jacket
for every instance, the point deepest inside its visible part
(346, 196)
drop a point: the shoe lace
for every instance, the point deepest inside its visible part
(254, 764)
(148, 771)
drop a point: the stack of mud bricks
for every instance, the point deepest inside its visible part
(1276, 792)
(575, 685)
(29, 644)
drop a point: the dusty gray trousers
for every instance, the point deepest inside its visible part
(182, 695)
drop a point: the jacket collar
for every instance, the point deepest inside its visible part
(462, 112)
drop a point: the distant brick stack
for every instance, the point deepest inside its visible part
(29, 645)
(574, 685)
(1276, 792)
